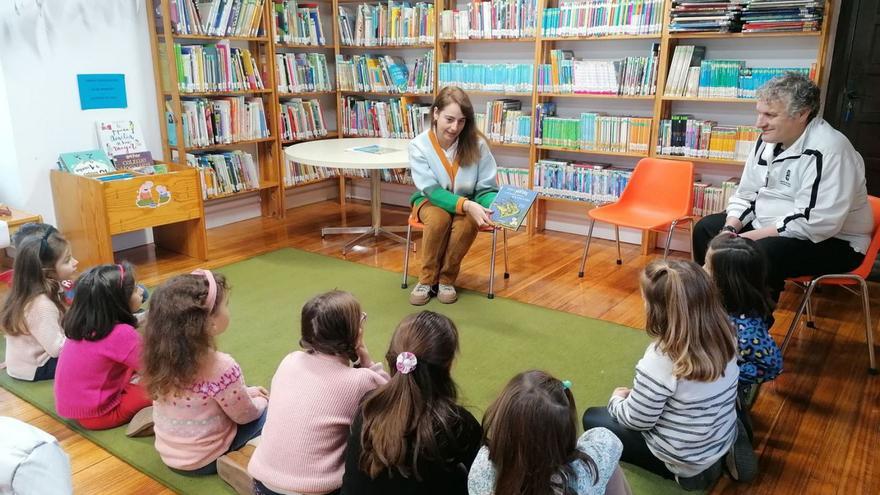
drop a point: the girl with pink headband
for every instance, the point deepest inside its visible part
(411, 436)
(201, 406)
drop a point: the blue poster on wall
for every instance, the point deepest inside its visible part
(101, 91)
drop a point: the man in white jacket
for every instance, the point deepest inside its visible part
(802, 195)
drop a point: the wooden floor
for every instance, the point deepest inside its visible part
(816, 427)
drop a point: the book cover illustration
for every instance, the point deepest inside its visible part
(86, 162)
(511, 205)
(120, 137)
(374, 149)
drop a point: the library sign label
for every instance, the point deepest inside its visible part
(101, 91)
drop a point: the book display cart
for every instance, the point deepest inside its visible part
(90, 211)
(537, 35)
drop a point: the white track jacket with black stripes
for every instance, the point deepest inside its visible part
(814, 190)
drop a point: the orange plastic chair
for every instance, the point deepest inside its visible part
(659, 195)
(413, 223)
(845, 280)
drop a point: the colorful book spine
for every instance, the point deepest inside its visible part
(297, 174)
(590, 182)
(709, 199)
(301, 120)
(597, 132)
(226, 173)
(298, 23)
(685, 136)
(301, 72)
(581, 18)
(395, 118)
(391, 23)
(505, 122)
(518, 177)
(385, 73)
(223, 120)
(503, 78)
(216, 67)
(217, 17)
(496, 19)
(630, 76)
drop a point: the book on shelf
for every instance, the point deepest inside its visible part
(89, 162)
(120, 137)
(302, 119)
(748, 16)
(217, 17)
(216, 67)
(296, 173)
(511, 205)
(496, 19)
(598, 132)
(598, 18)
(709, 199)
(301, 72)
(505, 78)
(224, 173)
(630, 76)
(395, 118)
(732, 79)
(694, 16)
(518, 177)
(505, 122)
(385, 73)
(542, 111)
(392, 23)
(298, 23)
(389, 175)
(682, 135)
(137, 160)
(684, 58)
(579, 181)
(226, 120)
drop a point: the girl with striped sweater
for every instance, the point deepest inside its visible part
(679, 418)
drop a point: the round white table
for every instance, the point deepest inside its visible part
(338, 154)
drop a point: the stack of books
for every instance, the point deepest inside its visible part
(390, 23)
(385, 73)
(593, 182)
(226, 173)
(782, 15)
(299, 72)
(223, 120)
(518, 177)
(506, 78)
(216, 17)
(630, 76)
(682, 135)
(696, 16)
(298, 23)
(395, 118)
(216, 67)
(495, 19)
(710, 199)
(301, 120)
(603, 18)
(751, 79)
(597, 132)
(505, 122)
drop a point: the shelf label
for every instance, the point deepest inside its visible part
(101, 91)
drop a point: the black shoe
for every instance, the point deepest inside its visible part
(742, 464)
(702, 481)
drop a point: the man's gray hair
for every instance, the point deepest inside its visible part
(796, 91)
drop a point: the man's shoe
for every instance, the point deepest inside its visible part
(741, 461)
(446, 294)
(420, 295)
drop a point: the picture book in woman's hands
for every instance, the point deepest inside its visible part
(511, 205)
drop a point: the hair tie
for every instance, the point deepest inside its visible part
(406, 362)
(211, 298)
(566, 384)
(121, 275)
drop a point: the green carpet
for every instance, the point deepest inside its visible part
(498, 339)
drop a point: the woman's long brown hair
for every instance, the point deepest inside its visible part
(177, 338)
(405, 420)
(531, 432)
(34, 274)
(468, 152)
(687, 320)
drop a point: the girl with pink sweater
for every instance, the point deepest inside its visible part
(315, 396)
(103, 351)
(31, 315)
(202, 408)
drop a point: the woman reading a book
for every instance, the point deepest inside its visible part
(454, 172)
